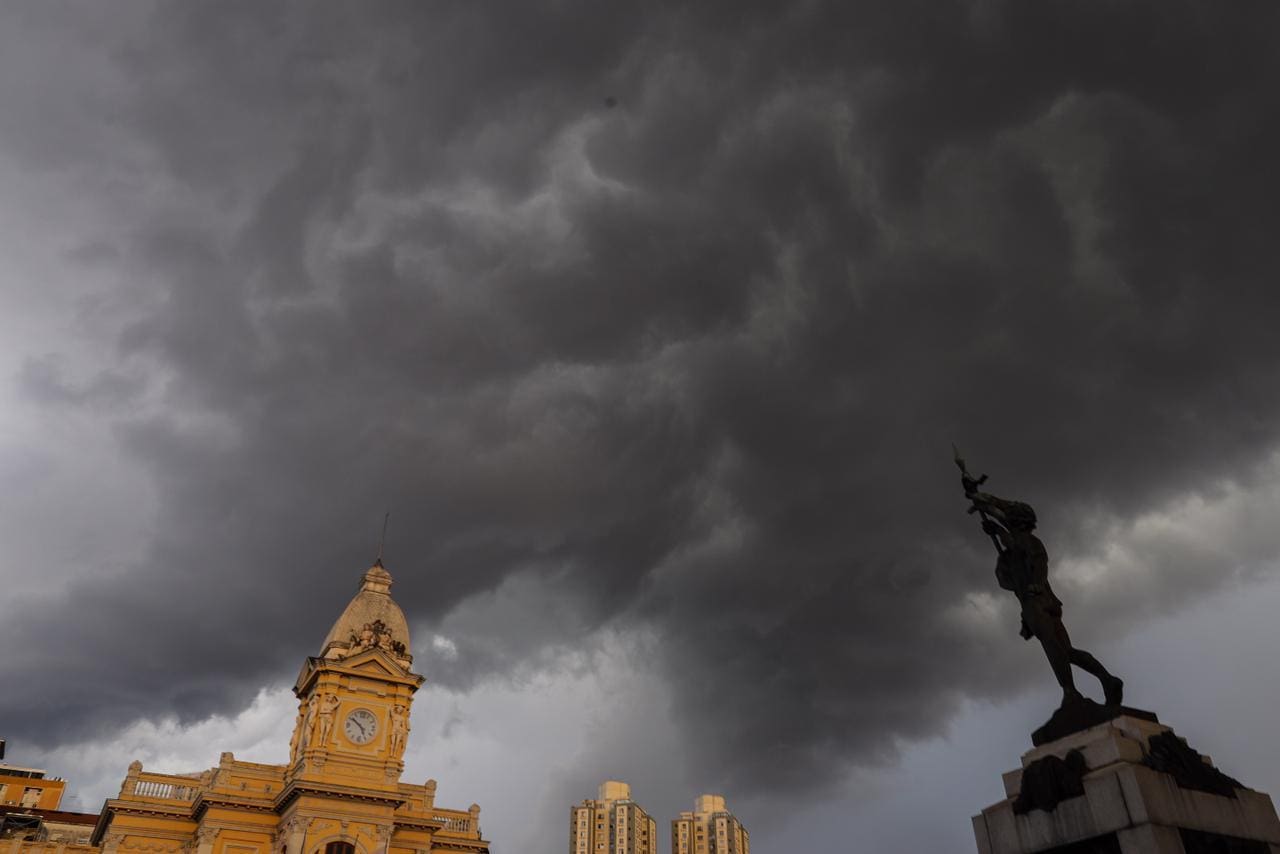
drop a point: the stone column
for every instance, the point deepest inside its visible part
(296, 835)
(205, 837)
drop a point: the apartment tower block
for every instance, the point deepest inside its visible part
(612, 824)
(709, 829)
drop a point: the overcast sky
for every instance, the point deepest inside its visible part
(651, 325)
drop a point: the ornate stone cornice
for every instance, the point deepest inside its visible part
(295, 790)
(204, 801)
(178, 810)
(449, 842)
(426, 824)
(314, 667)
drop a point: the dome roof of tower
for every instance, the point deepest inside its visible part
(371, 619)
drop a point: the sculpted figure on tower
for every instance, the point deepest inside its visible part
(328, 706)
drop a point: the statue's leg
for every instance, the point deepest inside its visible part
(1112, 686)
(1057, 648)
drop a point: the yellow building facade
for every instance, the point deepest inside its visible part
(341, 791)
(29, 787)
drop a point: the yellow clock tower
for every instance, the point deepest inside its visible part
(339, 793)
(354, 698)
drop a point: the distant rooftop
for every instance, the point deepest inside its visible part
(19, 771)
(58, 816)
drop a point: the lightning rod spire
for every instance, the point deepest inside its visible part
(383, 539)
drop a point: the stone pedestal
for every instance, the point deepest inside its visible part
(1127, 786)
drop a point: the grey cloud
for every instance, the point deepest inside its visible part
(692, 364)
(42, 380)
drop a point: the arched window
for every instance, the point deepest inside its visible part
(339, 848)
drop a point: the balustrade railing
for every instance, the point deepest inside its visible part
(160, 789)
(458, 824)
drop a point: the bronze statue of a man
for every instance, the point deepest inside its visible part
(1023, 567)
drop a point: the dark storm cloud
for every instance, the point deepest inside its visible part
(691, 362)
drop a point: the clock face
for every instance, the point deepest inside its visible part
(361, 726)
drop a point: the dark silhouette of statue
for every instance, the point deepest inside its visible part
(1023, 568)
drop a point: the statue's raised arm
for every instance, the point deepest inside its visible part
(1009, 514)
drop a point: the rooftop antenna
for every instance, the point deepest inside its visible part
(381, 540)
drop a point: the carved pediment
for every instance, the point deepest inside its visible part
(375, 665)
(369, 663)
(377, 662)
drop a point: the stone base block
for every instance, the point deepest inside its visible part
(1126, 786)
